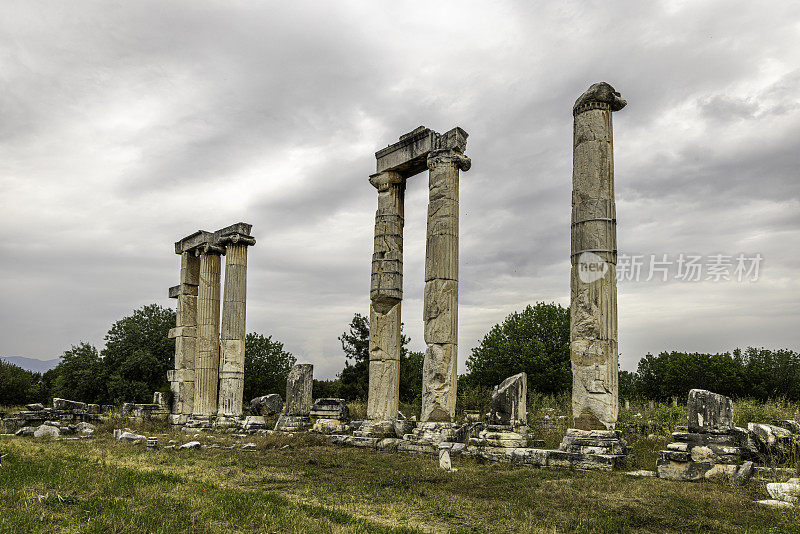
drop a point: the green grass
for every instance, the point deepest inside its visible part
(99, 485)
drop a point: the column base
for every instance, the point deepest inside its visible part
(607, 442)
(434, 433)
(501, 436)
(293, 423)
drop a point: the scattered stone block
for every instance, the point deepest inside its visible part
(266, 404)
(444, 460)
(129, 436)
(641, 473)
(775, 503)
(64, 404)
(743, 474)
(35, 407)
(298, 389)
(47, 431)
(709, 412)
(84, 428)
(784, 491)
(189, 446)
(293, 423)
(25, 431)
(771, 439)
(329, 408)
(509, 401)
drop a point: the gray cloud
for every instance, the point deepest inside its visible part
(124, 129)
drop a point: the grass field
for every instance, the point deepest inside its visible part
(99, 485)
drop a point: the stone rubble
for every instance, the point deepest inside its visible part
(715, 448)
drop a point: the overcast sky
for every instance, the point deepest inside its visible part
(125, 126)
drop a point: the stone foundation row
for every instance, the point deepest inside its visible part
(543, 458)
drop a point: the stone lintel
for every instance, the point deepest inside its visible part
(215, 241)
(240, 228)
(410, 154)
(193, 241)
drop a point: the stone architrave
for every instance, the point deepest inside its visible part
(208, 311)
(440, 313)
(386, 294)
(299, 385)
(231, 366)
(593, 295)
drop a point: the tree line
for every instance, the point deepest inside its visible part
(137, 354)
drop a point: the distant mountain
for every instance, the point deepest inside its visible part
(31, 364)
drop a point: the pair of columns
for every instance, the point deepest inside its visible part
(443, 156)
(208, 379)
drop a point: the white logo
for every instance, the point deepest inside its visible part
(591, 267)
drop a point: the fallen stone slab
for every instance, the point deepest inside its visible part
(266, 404)
(35, 407)
(130, 437)
(771, 439)
(775, 503)
(784, 491)
(743, 474)
(46, 431)
(189, 446)
(641, 473)
(25, 431)
(64, 404)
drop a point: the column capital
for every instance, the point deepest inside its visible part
(599, 96)
(237, 239)
(209, 249)
(383, 180)
(448, 156)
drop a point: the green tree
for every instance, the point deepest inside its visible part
(266, 366)
(411, 376)
(138, 354)
(535, 341)
(354, 378)
(79, 375)
(17, 385)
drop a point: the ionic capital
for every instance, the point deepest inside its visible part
(208, 248)
(383, 180)
(237, 239)
(599, 96)
(448, 157)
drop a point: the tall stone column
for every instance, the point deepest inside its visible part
(231, 368)
(207, 360)
(441, 286)
(386, 294)
(185, 333)
(593, 295)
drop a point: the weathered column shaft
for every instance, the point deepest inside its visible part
(231, 369)
(441, 287)
(386, 294)
(185, 334)
(593, 282)
(207, 360)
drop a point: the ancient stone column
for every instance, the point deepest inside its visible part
(386, 294)
(441, 286)
(593, 296)
(207, 360)
(231, 368)
(185, 333)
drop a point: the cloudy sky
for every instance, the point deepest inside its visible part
(127, 125)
